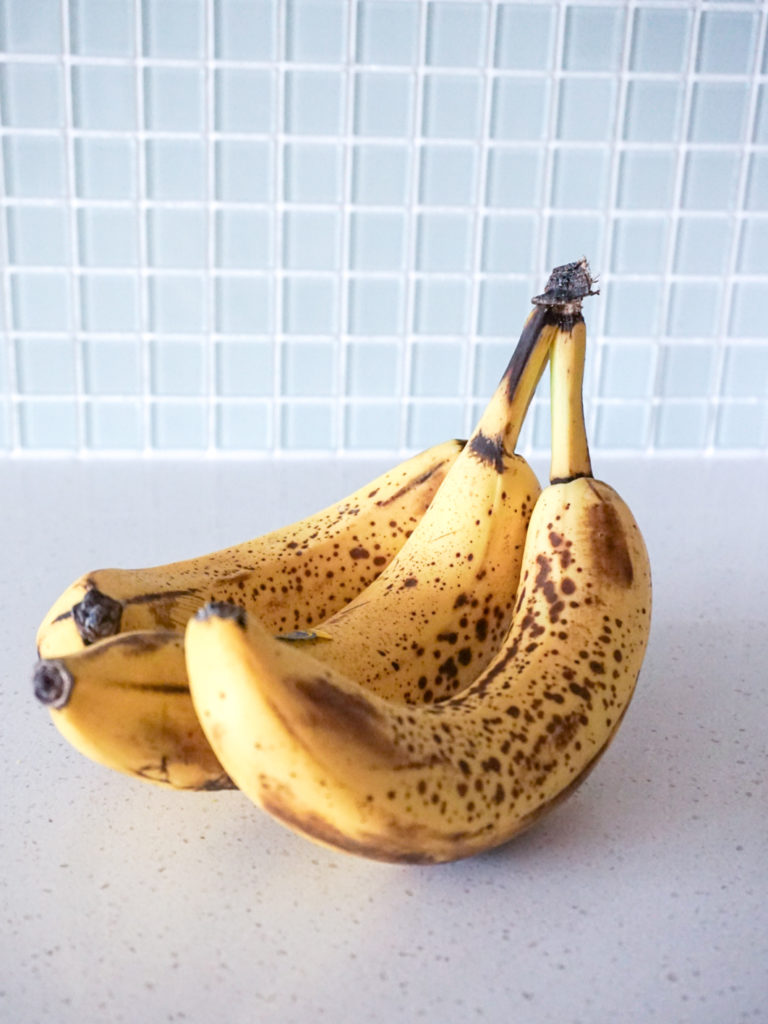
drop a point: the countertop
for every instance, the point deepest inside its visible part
(642, 898)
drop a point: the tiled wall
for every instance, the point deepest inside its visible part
(252, 225)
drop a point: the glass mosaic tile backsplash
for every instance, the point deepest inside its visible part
(316, 225)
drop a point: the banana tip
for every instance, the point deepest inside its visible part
(222, 610)
(97, 616)
(52, 682)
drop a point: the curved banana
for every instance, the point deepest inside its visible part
(484, 514)
(296, 574)
(434, 783)
(124, 702)
(437, 613)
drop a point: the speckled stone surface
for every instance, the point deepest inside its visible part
(642, 898)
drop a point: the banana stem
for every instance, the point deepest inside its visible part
(570, 448)
(526, 368)
(555, 311)
(500, 425)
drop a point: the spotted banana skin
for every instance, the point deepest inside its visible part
(433, 619)
(293, 576)
(432, 783)
(122, 699)
(430, 623)
(434, 772)
(293, 579)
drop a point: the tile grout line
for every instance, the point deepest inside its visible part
(211, 227)
(409, 299)
(609, 217)
(8, 57)
(674, 215)
(12, 415)
(127, 270)
(737, 219)
(557, 50)
(278, 297)
(346, 219)
(479, 221)
(145, 325)
(539, 407)
(76, 294)
(145, 134)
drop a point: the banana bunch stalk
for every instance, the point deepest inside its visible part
(415, 674)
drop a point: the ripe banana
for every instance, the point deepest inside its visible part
(124, 702)
(437, 613)
(433, 783)
(484, 513)
(298, 573)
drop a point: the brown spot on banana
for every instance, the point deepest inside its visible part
(608, 541)
(415, 481)
(400, 844)
(489, 450)
(170, 595)
(314, 826)
(140, 642)
(328, 708)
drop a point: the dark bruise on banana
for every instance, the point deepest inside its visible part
(413, 843)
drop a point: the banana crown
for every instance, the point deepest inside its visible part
(437, 613)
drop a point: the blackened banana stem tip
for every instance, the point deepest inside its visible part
(52, 683)
(222, 610)
(567, 286)
(97, 616)
(556, 310)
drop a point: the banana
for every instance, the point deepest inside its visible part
(124, 702)
(437, 613)
(432, 783)
(484, 513)
(298, 573)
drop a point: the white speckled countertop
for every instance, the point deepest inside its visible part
(643, 898)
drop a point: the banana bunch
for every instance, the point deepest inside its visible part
(111, 648)
(290, 577)
(417, 674)
(112, 668)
